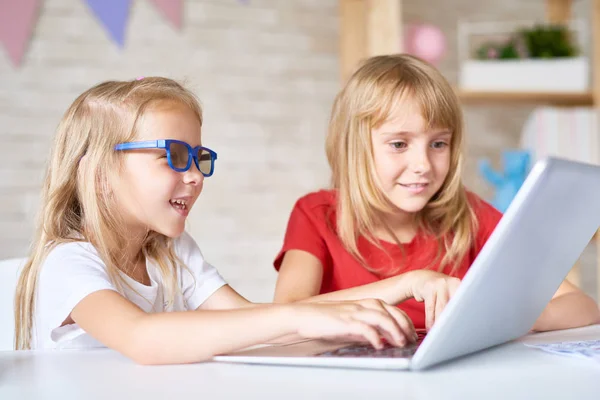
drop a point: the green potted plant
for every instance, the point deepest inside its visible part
(540, 41)
(540, 58)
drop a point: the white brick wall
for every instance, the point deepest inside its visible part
(266, 73)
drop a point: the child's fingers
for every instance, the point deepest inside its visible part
(444, 295)
(441, 301)
(406, 325)
(403, 324)
(453, 287)
(366, 331)
(384, 322)
(430, 309)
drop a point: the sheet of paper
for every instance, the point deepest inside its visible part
(584, 349)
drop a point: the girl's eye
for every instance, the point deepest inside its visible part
(398, 145)
(439, 145)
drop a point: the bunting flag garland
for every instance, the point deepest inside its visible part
(172, 10)
(17, 19)
(113, 14)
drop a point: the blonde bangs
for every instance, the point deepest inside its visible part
(366, 102)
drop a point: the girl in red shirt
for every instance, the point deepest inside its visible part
(398, 224)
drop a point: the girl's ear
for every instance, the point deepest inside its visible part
(82, 161)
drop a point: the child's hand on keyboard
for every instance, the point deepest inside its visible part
(364, 320)
(433, 288)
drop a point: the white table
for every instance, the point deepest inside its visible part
(511, 371)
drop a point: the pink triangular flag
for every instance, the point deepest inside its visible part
(171, 9)
(16, 25)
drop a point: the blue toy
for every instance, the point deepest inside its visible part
(507, 184)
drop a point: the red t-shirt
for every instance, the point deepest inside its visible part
(311, 228)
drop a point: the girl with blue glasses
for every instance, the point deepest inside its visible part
(112, 264)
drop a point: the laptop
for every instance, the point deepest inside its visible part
(536, 243)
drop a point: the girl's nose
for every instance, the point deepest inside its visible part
(420, 163)
(193, 176)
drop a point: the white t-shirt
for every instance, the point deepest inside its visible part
(74, 270)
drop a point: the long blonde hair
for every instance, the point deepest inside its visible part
(364, 103)
(76, 204)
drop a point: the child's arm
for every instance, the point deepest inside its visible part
(569, 308)
(184, 337)
(301, 275)
(226, 299)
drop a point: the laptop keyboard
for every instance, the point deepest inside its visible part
(368, 351)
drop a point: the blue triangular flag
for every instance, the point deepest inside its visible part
(113, 14)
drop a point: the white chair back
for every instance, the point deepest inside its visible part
(9, 273)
